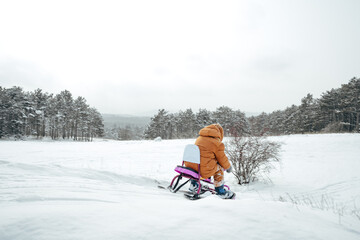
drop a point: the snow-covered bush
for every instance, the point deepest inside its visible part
(158, 139)
(251, 156)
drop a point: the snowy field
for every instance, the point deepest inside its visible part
(108, 190)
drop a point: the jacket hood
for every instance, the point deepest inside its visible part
(213, 130)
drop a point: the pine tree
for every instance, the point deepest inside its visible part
(203, 118)
(224, 116)
(40, 102)
(187, 128)
(158, 126)
(13, 110)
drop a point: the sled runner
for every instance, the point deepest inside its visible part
(191, 154)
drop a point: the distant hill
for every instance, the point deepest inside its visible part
(123, 120)
(118, 120)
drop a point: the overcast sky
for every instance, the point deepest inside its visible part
(134, 57)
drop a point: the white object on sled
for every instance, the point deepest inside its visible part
(191, 154)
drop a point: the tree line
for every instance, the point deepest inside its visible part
(58, 116)
(42, 114)
(337, 110)
(187, 124)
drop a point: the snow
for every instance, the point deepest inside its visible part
(108, 190)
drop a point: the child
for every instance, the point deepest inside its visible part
(213, 160)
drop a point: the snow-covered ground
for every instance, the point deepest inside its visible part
(108, 190)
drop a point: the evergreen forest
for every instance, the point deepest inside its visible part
(40, 114)
(337, 110)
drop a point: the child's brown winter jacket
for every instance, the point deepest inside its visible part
(211, 151)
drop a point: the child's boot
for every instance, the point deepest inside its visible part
(194, 186)
(224, 194)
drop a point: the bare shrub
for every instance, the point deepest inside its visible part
(250, 156)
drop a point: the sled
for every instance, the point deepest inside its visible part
(191, 154)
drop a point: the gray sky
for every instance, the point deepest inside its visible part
(134, 57)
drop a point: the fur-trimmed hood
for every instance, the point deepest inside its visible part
(213, 130)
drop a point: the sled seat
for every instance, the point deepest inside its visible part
(190, 173)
